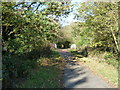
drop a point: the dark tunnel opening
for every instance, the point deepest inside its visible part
(63, 45)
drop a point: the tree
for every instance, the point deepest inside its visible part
(101, 18)
(26, 34)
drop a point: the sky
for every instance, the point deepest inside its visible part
(66, 21)
(70, 18)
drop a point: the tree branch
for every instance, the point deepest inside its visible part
(19, 4)
(30, 5)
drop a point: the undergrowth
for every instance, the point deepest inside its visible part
(47, 74)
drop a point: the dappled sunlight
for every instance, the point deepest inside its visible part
(101, 69)
(76, 75)
(41, 48)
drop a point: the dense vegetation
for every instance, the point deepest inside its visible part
(30, 27)
(47, 74)
(102, 24)
(97, 38)
(27, 34)
(98, 32)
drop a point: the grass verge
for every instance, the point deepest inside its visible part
(47, 74)
(106, 71)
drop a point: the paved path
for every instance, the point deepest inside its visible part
(77, 76)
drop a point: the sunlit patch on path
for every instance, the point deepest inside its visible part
(77, 76)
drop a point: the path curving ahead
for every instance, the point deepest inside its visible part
(77, 76)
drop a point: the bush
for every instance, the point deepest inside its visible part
(14, 67)
(17, 66)
(111, 59)
(108, 55)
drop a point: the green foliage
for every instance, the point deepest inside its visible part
(27, 29)
(41, 79)
(103, 63)
(26, 36)
(101, 21)
(77, 33)
(57, 8)
(99, 29)
(110, 59)
(14, 67)
(54, 54)
(47, 75)
(108, 55)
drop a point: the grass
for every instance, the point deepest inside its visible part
(44, 77)
(47, 74)
(106, 71)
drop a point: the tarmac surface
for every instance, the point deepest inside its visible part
(77, 76)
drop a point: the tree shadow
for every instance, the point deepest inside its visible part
(74, 77)
(73, 74)
(80, 81)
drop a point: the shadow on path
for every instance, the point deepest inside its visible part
(77, 76)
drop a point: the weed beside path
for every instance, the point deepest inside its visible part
(47, 74)
(78, 76)
(106, 71)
